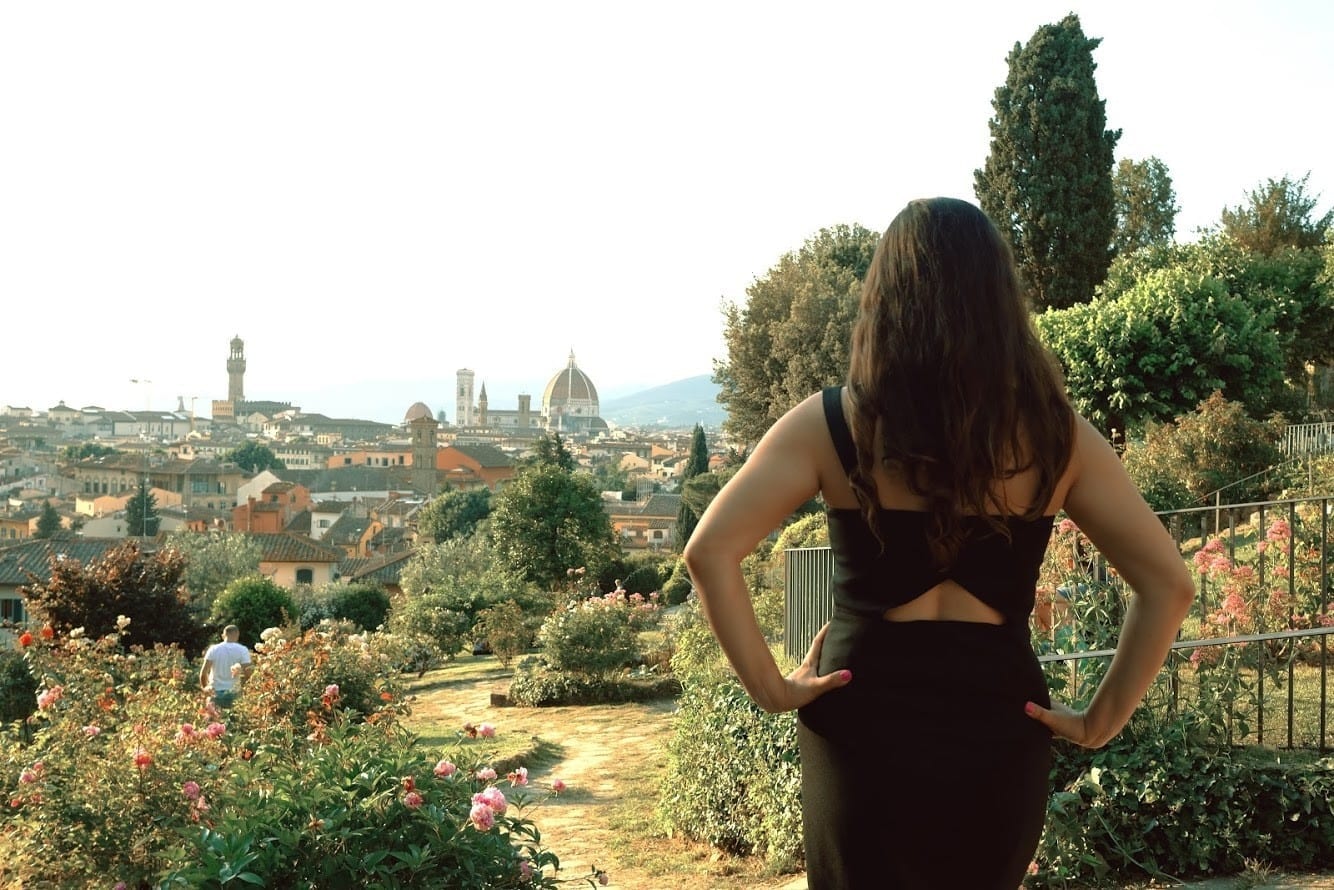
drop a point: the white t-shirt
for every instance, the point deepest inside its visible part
(224, 656)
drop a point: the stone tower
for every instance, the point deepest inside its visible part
(422, 435)
(236, 372)
(481, 406)
(463, 413)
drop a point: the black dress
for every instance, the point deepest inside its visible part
(924, 772)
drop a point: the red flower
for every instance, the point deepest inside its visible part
(48, 632)
(25, 639)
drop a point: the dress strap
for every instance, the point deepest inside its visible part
(839, 430)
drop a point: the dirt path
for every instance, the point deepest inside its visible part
(597, 749)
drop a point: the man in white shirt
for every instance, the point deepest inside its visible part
(226, 664)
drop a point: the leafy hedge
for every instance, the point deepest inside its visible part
(536, 685)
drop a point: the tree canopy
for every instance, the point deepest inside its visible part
(144, 587)
(793, 336)
(547, 520)
(1146, 207)
(1277, 214)
(48, 523)
(141, 516)
(696, 464)
(1047, 181)
(254, 457)
(212, 562)
(1161, 347)
(454, 514)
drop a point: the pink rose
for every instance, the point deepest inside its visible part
(444, 769)
(486, 731)
(412, 800)
(557, 785)
(332, 692)
(142, 758)
(190, 790)
(525, 870)
(91, 730)
(486, 774)
(482, 817)
(519, 776)
(215, 730)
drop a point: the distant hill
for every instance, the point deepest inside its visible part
(680, 404)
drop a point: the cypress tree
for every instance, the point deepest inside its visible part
(697, 463)
(1047, 182)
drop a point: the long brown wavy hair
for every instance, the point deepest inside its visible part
(949, 383)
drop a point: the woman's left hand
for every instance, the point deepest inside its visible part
(804, 685)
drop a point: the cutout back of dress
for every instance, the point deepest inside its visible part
(867, 579)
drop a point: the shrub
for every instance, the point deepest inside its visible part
(18, 688)
(644, 579)
(365, 605)
(253, 604)
(433, 617)
(535, 685)
(132, 778)
(506, 630)
(678, 586)
(593, 636)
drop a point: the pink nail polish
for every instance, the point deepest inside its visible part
(1030, 709)
(845, 676)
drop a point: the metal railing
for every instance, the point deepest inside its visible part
(809, 602)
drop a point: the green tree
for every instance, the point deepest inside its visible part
(1277, 214)
(1215, 447)
(1146, 207)
(212, 561)
(365, 605)
(1162, 347)
(696, 463)
(48, 523)
(254, 457)
(1047, 181)
(146, 588)
(454, 514)
(141, 515)
(549, 450)
(793, 336)
(548, 520)
(253, 604)
(85, 451)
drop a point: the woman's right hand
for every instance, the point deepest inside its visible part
(804, 684)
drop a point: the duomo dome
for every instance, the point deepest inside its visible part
(570, 401)
(418, 411)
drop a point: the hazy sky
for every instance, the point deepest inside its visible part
(373, 195)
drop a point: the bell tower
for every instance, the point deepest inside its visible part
(236, 372)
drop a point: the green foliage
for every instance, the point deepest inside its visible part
(1161, 348)
(549, 519)
(678, 585)
(48, 523)
(1277, 214)
(253, 604)
(1213, 448)
(507, 630)
(436, 617)
(794, 334)
(644, 579)
(537, 686)
(549, 451)
(254, 457)
(212, 561)
(141, 516)
(1047, 181)
(85, 451)
(18, 687)
(365, 605)
(146, 588)
(733, 775)
(595, 636)
(696, 464)
(454, 514)
(1146, 205)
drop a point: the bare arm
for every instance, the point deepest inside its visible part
(205, 671)
(778, 477)
(1107, 507)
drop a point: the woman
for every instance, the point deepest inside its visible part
(925, 724)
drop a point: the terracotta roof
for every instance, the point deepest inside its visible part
(657, 504)
(348, 529)
(385, 569)
(278, 487)
(485, 455)
(300, 523)
(287, 547)
(17, 560)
